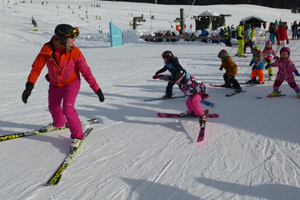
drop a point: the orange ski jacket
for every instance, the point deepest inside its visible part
(64, 72)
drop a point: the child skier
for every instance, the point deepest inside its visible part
(231, 71)
(65, 62)
(268, 53)
(35, 26)
(258, 68)
(171, 63)
(248, 40)
(285, 72)
(194, 89)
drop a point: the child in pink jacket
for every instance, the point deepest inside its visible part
(268, 54)
(195, 90)
(286, 68)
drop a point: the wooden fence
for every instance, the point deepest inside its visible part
(181, 37)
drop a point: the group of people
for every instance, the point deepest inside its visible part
(245, 35)
(274, 27)
(96, 5)
(263, 60)
(226, 33)
(168, 33)
(65, 63)
(196, 90)
(188, 84)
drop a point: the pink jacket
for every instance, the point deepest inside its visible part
(268, 53)
(192, 86)
(285, 68)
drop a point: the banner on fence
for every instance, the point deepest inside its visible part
(116, 35)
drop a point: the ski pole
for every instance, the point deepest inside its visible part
(232, 48)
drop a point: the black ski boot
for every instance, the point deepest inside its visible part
(252, 81)
(166, 96)
(202, 121)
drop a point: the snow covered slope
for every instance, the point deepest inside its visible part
(250, 152)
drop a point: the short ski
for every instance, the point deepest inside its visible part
(207, 103)
(251, 84)
(156, 99)
(234, 93)
(215, 85)
(31, 133)
(202, 130)
(223, 86)
(219, 86)
(243, 56)
(280, 95)
(169, 115)
(57, 175)
(201, 135)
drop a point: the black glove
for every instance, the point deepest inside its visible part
(254, 67)
(251, 63)
(100, 95)
(27, 91)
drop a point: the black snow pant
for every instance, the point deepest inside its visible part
(232, 80)
(169, 89)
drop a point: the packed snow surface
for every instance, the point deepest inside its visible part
(250, 152)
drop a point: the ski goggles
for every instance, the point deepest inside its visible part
(74, 33)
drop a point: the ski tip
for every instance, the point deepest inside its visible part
(200, 140)
(164, 115)
(214, 115)
(48, 184)
(93, 120)
(89, 129)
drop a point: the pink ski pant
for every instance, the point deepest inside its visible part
(65, 96)
(289, 79)
(193, 104)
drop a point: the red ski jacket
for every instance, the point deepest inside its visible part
(282, 35)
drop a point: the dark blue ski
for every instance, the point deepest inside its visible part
(210, 104)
